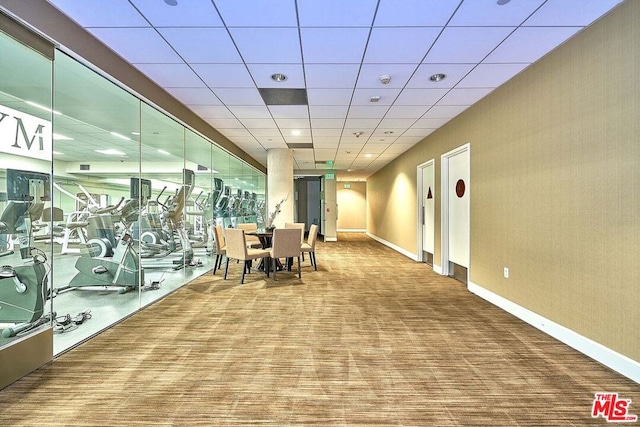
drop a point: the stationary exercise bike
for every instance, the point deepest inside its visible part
(23, 287)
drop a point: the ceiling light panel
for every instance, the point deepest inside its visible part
(194, 45)
(466, 44)
(138, 45)
(413, 13)
(488, 13)
(102, 14)
(399, 45)
(334, 45)
(262, 13)
(171, 75)
(190, 13)
(336, 13)
(268, 45)
(538, 42)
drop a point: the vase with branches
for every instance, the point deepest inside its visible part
(274, 214)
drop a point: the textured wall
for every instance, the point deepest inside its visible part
(555, 178)
(352, 206)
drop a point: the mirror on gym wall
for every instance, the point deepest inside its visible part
(96, 153)
(25, 190)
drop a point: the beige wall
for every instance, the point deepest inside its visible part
(352, 207)
(555, 185)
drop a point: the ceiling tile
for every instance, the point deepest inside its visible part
(464, 96)
(570, 12)
(331, 75)
(194, 13)
(444, 111)
(485, 13)
(360, 125)
(224, 123)
(194, 96)
(333, 45)
(262, 73)
(409, 140)
(336, 13)
(212, 112)
(259, 123)
(365, 112)
(491, 75)
(417, 132)
(260, 13)
(406, 111)
(224, 75)
(466, 44)
(326, 123)
(528, 44)
(453, 72)
(250, 112)
(396, 123)
(370, 75)
(319, 132)
(265, 133)
(194, 44)
(290, 123)
(114, 13)
(328, 111)
(399, 45)
(268, 45)
(421, 97)
(171, 75)
(138, 45)
(329, 96)
(289, 111)
(429, 123)
(363, 96)
(239, 96)
(413, 13)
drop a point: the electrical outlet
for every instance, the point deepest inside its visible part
(506, 272)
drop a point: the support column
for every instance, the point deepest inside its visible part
(329, 208)
(280, 185)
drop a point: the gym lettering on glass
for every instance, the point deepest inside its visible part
(24, 135)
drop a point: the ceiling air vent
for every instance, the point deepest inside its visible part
(84, 167)
(273, 96)
(297, 146)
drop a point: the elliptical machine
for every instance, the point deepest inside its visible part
(23, 288)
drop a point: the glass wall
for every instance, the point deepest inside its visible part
(119, 197)
(25, 188)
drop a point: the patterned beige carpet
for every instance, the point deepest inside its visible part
(371, 338)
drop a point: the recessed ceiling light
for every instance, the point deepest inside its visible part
(502, 2)
(437, 77)
(110, 152)
(368, 155)
(171, 2)
(58, 137)
(278, 77)
(295, 132)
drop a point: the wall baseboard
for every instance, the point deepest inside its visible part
(610, 358)
(437, 269)
(352, 230)
(394, 247)
(330, 239)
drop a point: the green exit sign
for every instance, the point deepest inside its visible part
(347, 186)
(329, 176)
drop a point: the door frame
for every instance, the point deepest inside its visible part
(420, 197)
(444, 206)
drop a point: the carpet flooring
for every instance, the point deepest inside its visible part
(371, 338)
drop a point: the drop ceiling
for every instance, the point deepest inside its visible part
(215, 55)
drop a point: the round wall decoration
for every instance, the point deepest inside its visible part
(460, 188)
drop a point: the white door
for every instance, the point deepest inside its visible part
(428, 206)
(456, 174)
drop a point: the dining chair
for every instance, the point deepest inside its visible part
(300, 225)
(310, 245)
(237, 249)
(252, 241)
(221, 246)
(285, 244)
